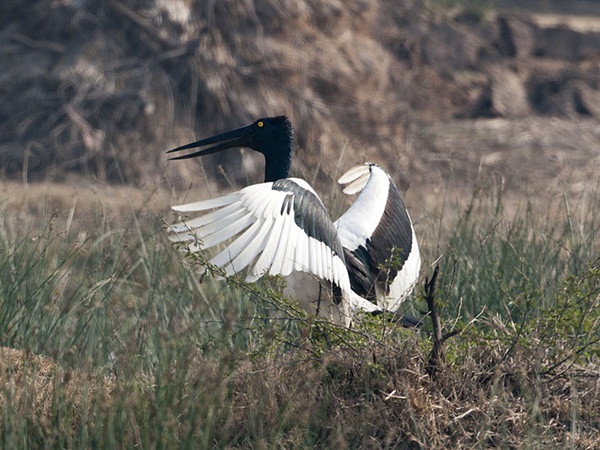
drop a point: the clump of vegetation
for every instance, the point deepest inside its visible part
(109, 339)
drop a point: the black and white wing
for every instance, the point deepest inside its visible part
(275, 228)
(381, 250)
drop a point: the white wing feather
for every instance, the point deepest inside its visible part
(314, 259)
(203, 205)
(301, 254)
(356, 178)
(285, 245)
(252, 250)
(281, 244)
(290, 251)
(214, 233)
(203, 220)
(263, 264)
(240, 253)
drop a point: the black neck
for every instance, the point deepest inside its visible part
(277, 168)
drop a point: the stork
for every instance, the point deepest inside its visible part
(366, 260)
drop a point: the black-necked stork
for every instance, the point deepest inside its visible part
(366, 260)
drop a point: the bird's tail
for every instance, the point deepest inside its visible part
(357, 303)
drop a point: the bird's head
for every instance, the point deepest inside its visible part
(271, 136)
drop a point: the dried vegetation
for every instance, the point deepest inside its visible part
(101, 88)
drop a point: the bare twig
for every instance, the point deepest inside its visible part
(437, 357)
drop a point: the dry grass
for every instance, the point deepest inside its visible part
(366, 398)
(142, 354)
(36, 389)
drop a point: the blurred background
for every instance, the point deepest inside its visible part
(449, 96)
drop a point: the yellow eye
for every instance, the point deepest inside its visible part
(260, 124)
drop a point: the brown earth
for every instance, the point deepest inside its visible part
(95, 91)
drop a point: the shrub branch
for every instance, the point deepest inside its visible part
(437, 356)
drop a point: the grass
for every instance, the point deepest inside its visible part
(109, 340)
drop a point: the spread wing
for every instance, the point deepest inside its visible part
(275, 228)
(381, 250)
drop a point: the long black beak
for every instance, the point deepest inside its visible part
(240, 137)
